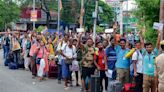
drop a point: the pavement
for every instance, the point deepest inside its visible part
(21, 81)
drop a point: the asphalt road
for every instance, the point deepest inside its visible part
(21, 81)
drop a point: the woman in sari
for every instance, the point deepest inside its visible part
(42, 60)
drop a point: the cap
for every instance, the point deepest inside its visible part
(162, 42)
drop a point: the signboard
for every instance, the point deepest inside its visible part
(158, 26)
(21, 27)
(33, 15)
(26, 13)
(109, 30)
(79, 30)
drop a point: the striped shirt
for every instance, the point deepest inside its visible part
(111, 57)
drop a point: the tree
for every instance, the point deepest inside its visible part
(104, 17)
(9, 12)
(46, 5)
(99, 29)
(148, 13)
(70, 11)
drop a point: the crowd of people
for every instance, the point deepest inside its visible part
(59, 55)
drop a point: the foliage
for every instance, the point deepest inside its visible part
(151, 36)
(105, 17)
(129, 30)
(40, 29)
(9, 12)
(148, 13)
(46, 6)
(99, 29)
(70, 11)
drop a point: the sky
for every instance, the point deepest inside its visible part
(130, 3)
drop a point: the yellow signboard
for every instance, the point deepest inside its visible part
(33, 15)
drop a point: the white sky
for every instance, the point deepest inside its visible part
(130, 3)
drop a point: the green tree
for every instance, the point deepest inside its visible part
(148, 13)
(105, 17)
(70, 11)
(46, 5)
(99, 29)
(9, 12)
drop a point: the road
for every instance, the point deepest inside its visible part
(21, 81)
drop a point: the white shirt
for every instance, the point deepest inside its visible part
(59, 47)
(137, 56)
(69, 52)
(24, 42)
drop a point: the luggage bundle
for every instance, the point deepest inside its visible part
(6, 62)
(95, 83)
(129, 87)
(9, 61)
(13, 66)
(53, 70)
(114, 86)
(9, 58)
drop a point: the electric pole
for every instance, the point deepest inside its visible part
(58, 28)
(81, 13)
(33, 10)
(95, 22)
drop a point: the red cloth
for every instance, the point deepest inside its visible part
(129, 87)
(101, 62)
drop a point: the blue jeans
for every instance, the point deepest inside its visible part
(16, 56)
(6, 51)
(59, 72)
(3, 47)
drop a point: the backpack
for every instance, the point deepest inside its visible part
(7, 41)
(79, 54)
(145, 52)
(28, 46)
